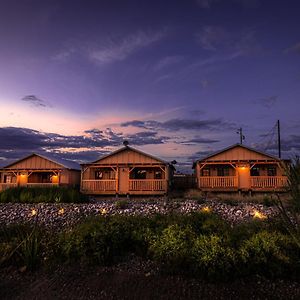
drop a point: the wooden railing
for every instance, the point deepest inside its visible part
(218, 182)
(268, 181)
(98, 185)
(147, 185)
(5, 186)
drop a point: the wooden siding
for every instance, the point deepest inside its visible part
(238, 153)
(35, 163)
(128, 156)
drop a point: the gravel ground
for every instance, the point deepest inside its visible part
(60, 215)
(136, 279)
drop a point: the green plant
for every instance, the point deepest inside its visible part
(122, 204)
(213, 257)
(265, 253)
(172, 247)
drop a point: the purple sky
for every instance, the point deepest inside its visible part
(175, 78)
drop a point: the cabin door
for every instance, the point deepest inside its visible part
(123, 180)
(244, 177)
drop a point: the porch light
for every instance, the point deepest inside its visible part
(206, 209)
(258, 215)
(61, 211)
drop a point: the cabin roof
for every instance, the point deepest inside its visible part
(67, 164)
(124, 149)
(241, 146)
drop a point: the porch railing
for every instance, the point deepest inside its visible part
(147, 185)
(5, 186)
(98, 185)
(268, 181)
(218, 182)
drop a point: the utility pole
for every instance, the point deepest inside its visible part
(278, 139)
(242, 137)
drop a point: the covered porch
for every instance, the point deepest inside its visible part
(29, 178)
(124, 179)
(239, 175)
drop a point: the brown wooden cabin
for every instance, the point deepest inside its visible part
(39, 170)
(240, 168)
(127, 171)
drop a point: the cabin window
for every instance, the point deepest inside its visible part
(158, 174)
(205, 172)
(140, 174)
(254, 171)
(105, 174)
(223, 171)
(7, 179)
(271, 171)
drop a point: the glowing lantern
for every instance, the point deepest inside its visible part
(103, 211)
(206, 209)
(258, 215)
(61, 211)
(33, 212)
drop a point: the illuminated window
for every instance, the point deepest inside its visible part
(139, 174)
(7, 179)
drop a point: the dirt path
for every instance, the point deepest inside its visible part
(133, 283)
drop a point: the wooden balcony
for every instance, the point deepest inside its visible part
(95, 186)
(151, 185)
(268, 182)
(218, 182)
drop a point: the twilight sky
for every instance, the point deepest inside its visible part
(175, 78)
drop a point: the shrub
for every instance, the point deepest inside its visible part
(122, 204)
(172, 247)
(265, 253)
(40, 194)
(214, 258)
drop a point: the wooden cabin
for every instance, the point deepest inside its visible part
(127, 171)
(40, 170)
(240, 168)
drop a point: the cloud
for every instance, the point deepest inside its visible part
(119, 50)
(35, 101)
(16, 141)
(212, 37)
(199, 140)
(181, 124)
(267, 102)
(293, 49)
(207, 4)
(167, 62)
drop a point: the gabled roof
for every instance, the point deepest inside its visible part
(124, 149)
(67, 164)
(241, 146)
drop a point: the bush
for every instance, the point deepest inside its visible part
(40, 194)
(214, 259)
(265, 253)
(122, 204)
(172, 247)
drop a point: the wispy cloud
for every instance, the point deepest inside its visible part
(267, 102)
(181, 124)
(119, 50)
(293, 49)
(207, 4)
(167, 62)
(35, 101)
